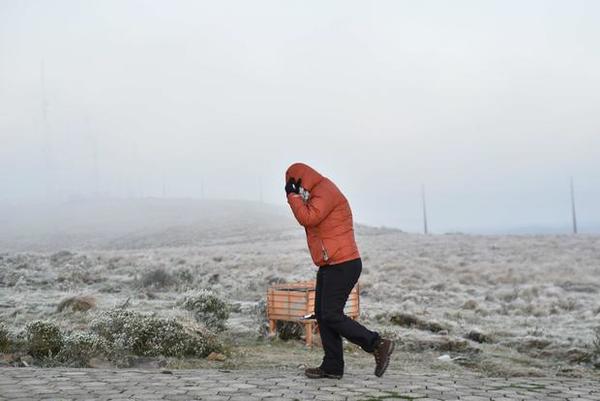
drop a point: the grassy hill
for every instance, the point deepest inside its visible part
(139, 223)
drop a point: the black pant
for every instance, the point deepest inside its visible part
(334, 283)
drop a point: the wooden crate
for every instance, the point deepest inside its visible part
(292, 301)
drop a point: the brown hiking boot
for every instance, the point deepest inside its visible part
(318, 373)
(382, 352)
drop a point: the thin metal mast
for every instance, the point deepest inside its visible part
(573, 211)
(47, 149)
(424, 202)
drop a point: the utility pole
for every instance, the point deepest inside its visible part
(573, 212)
(94, 146)
(48, 159)
(424, 203)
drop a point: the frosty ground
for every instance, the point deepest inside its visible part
(494, 305)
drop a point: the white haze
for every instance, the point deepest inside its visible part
(492, 105)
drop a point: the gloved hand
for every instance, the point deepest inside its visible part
(292, 186)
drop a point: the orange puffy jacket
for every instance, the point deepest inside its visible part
(326, 217)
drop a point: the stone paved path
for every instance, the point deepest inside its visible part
(20, 384)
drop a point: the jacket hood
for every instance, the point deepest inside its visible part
(309, 176)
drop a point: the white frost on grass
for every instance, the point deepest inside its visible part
(537, 295)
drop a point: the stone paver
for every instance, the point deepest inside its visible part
(183, 385)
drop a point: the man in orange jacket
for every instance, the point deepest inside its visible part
(323, 210)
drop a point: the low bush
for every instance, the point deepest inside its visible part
(285, 330)
(596, 341)
(471, 304)
(61, 257)
(478, 336)
(184, 276)
(289, 330)
(207, 308)
(157, 278)
(408, 320)
(596, 348)
(260, 317)
(80, 347)
(419, 343)
(151, 336)
(43, 339)
(78, 303)
(4, 338)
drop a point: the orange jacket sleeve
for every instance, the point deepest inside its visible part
(311, 213)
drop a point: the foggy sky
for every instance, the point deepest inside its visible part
(491, 105)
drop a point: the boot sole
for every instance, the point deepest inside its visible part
(325, 376)
(387, 361)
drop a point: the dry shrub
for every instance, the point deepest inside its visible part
(80, 347)
(44, 339)
(531, 344)
(405, 319)
(273, 279)
(4, 338)
(437, 343)
(207, 308)
(408, 320)
(596, 341)
(78, 275)
(260, 317)
(574, 355)
(493, 365)
(596, 348)
(530, 310)
(285, 330)
(452, 345)
(482, 312)
(78, 303)
(509, 296)
(478, 336)
(184, 275)
(289, 330)
(567, 305)
(132, 332)
(529, 294)
(61, 257)
(578, 287)
(535, 332)
(157, 278)
(471, 304)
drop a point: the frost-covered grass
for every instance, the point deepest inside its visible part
(496, 304)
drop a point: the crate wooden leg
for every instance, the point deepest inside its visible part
(272, 327)
(308, 330)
